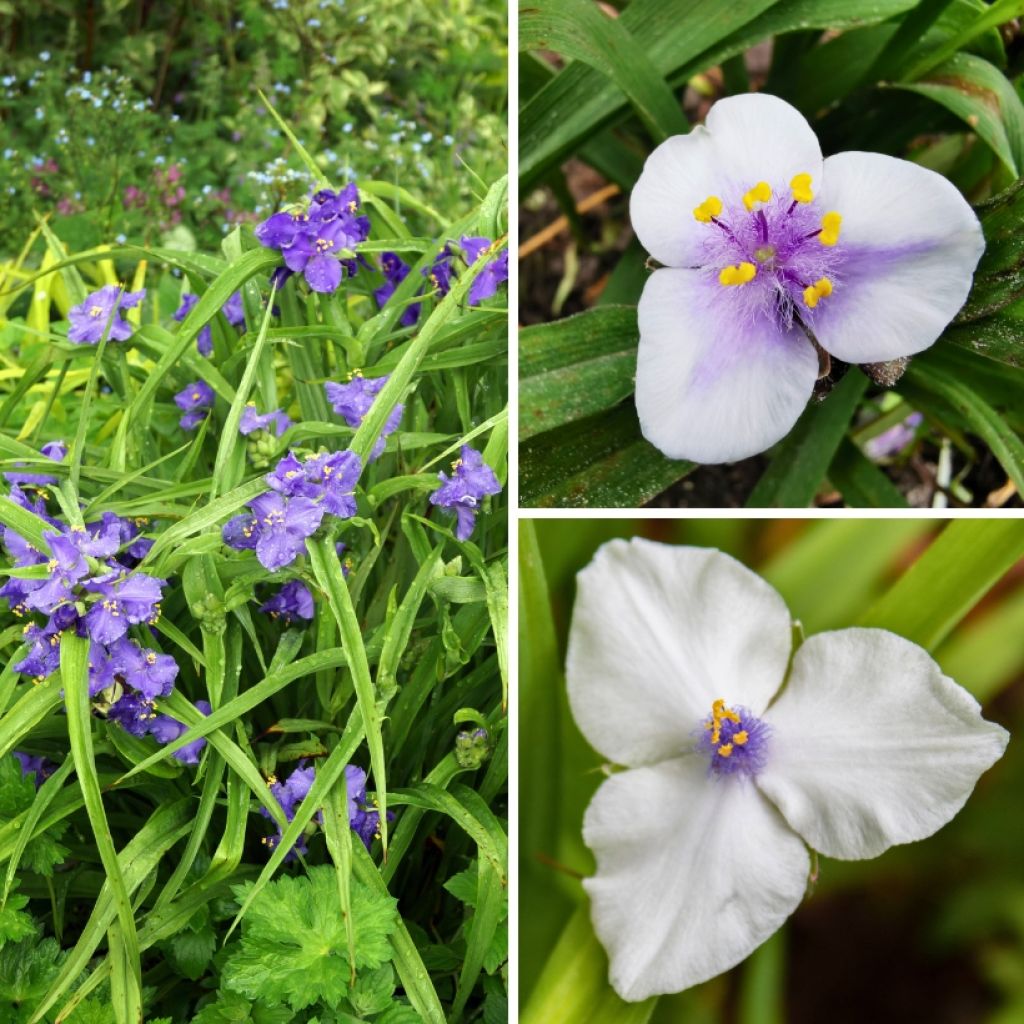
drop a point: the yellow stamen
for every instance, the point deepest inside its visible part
(740, 738)
(711, 207)
(801, 186)
(821, 289)
(830, 224)
(760, 193)
(725, 750)
(720, 713)
(737, 275)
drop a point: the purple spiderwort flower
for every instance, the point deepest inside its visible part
(165, 729)
(282, 526)
(133, 713)
(125, 599)
(289, 794)
(43, 659)
(473, 247)
(232, 310)
(66, 567)
(195, 401)
(329, 477)
(55, 451)
(471, 480)
(88, 320)
(292, 601)
(766, 245)
(251, 421)
(353, 401)
(35, 765)
(319, 243)
(148, 672)
(892, 441)
(363, 819)
(395, 271)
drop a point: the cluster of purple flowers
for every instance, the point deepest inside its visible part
(302, 493)
(363, 818)
(395, 271)
(318, 243)
(88, 320)
(89, 585)
(195, 402)
(353, 401)
(471, 480)
(232, 310)
(53, 450)
(441, 271)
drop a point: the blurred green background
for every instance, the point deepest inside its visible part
(932, 931)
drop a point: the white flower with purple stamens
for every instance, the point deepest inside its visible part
(765, 246)
(676, 664)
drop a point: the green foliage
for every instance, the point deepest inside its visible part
(294, 949)
(17, 793)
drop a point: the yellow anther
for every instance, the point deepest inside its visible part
(821, 289)
(760, 193)
(725, 750)
(830, 225)
(711, 207)
(737, 275)
(740, 738)
(801, 186)
(720, 713)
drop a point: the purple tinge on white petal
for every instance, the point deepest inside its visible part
(872, 745)
(693, 874)
(747, 139)
(716, 381)
(909, 245)
(659, 632)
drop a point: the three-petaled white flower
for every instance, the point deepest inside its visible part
(675, 664)
(766, 245)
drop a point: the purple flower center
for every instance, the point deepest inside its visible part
(734, 740)
(775, 254)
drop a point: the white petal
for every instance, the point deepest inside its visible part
(910, 243)
(693, 874)
(746, 139)
(872, 745)
(659, 632)
(713, 385)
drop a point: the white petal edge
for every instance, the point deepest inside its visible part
(916, 243)
(659, 632)
(713, 385)
(872, 745)
(693, 874)
(745, 139)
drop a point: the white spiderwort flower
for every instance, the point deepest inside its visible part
(676, 659)
(764, 245)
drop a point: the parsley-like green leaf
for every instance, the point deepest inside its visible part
(17, 793)
(15, 924)
(294, 948)
(373, 992)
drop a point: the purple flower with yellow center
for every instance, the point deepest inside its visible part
(133, 712)
(65, 568)
(335, 475)
(395, 271)
(768, 251)
(282, 526)
(251, 421)
(353, 400)
(241, 532)
(473, 247)
(165, 729)
(292, 601)
(146, 671)
(43, 658)
(55, 451)
(289, 794)
(88, 320)
(195, 401)
(125, 600)
(363, 818)
(99, 539)
(471, 480)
